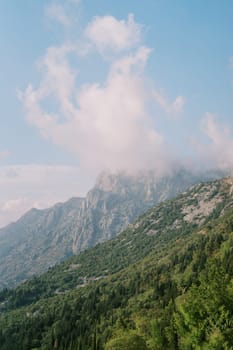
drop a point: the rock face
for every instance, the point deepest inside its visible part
(117, 200)
(42, 238)
(36, 241)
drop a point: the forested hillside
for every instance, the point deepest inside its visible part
(43, 238)
(165, 283)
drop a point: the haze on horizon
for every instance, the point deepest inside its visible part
(90, 87)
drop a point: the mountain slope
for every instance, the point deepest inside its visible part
(117, 200)
(41, 239)
(35, 242)
(151, 232)
(161, 263)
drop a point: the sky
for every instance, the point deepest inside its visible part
(90, 86)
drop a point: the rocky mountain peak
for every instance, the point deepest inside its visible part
(42, 238)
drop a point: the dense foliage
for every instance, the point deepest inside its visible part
(143, 292)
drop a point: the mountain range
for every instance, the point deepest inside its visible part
(163, 283)
(43, 238)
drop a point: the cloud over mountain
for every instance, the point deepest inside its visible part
(107, 124)
(116, 121)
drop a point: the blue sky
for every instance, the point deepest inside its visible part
(89, 85)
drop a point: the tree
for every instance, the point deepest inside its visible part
(204, 319)
(130, 341)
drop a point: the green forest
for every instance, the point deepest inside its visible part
(141, 291)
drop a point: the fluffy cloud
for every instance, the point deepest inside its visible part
(57, 12)
(108, 33)
(25, 186)
(62, 12)
(107, 125)
(217, 148)
(175, 107)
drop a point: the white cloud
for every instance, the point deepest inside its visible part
(217, 149)
(25, 186)
(58, 13)
(106, 125)
(63, 12)
(178, 104)
(108, 33)
(175, 107)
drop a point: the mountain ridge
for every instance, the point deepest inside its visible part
(42, 238)
(165, 222)
(138, 288)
